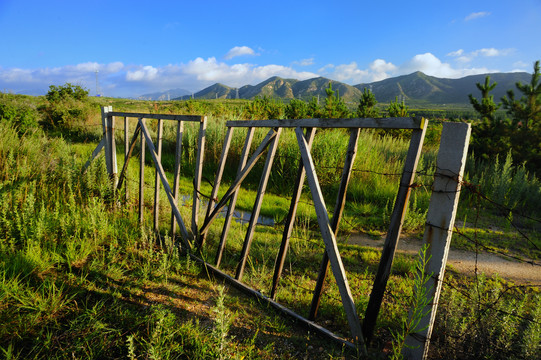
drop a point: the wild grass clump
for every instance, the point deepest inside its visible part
(19, 111)
(487, 318)
(507, 184)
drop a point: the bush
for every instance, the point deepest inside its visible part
(67, 105)
(21, 116)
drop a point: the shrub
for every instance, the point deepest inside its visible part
(67, 105)
(21, 116)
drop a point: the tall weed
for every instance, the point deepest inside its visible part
(506, 183)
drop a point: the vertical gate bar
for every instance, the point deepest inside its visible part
(105, 126)
(111, 132)
(440, 220)
(290, 220)
(131, 147)
(159, 135)
(165, 183)
(217, 179)
(337, 216)
(233, 202)
(198, 174)
(257, 205)
(176, 181)
(331, 246)
(126, 153)
(252, 161)
(142, 177)
(393, 234)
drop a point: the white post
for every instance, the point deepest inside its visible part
(440, 221)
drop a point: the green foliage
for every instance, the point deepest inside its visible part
(334, 107)
(487, 319)
(296, 109)
(525, 114)
(65, 92)
(223, 321)
(526, 111)
(418, 305)
(16, 111)
(367, 105)
(313, 108)
(265, 108)
(521, 133)
(506, 183)
(398, 109)
(67, 106)
(487, 107)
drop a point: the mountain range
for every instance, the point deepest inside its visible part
(416, 88)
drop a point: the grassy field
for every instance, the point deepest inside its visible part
(81, 278)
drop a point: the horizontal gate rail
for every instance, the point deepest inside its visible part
(367, 123)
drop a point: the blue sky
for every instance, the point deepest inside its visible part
(142, 46)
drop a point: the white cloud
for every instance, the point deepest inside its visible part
(147, 73)
(211, 71)
(239, 51)
(12, 76)
(325, 68)
(380, 69)
(459, 52)
(431, 65)
(428, 64)
(463, 59)
(112, 67)
(490, 52)
(304, 62)
(349, 73)
(520, 65)
(476, 15)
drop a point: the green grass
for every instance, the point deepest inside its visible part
(79, 277)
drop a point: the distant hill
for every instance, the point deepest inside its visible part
(216, 91)
(273, 87)
(277, 87)
(164, 95)
(413, 88)
(430, 89)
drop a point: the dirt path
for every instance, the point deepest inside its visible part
(465, 261)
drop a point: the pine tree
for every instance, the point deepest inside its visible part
(313, 108)
(525, 116)
(335, 107)
(398, 109)
(526, 111)
(367, 105)
(296, 109)
(487, 107)
(490, 137)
